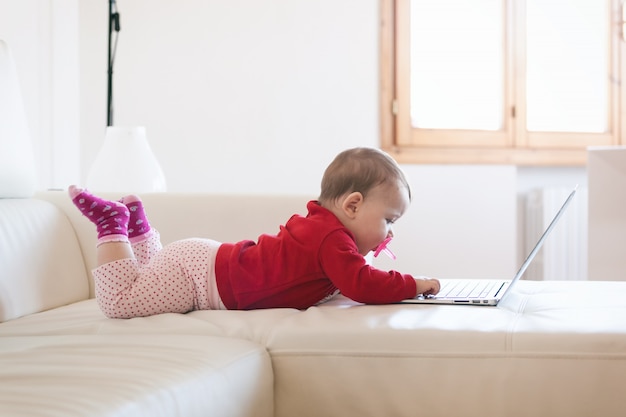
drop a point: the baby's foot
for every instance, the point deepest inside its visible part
(138, 225)
(110, 217)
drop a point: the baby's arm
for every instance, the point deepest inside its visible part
(427, 286)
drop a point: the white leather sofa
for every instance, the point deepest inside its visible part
(548, 349)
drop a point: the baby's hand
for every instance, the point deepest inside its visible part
(427, 286)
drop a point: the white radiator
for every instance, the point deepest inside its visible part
(564, 253)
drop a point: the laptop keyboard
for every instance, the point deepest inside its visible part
(467, 289)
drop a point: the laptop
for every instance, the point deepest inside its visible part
(485, 292)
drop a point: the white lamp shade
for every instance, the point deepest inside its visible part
(126, 164)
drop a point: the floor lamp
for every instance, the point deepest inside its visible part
(125, 162)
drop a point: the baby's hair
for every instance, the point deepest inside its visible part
(359, 170)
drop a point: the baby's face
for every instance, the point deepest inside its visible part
(375, 217)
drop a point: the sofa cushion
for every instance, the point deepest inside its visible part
(134, 376)
(40, 259)
(550, 348)
(86, 318)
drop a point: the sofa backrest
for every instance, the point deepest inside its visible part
(41, 262)
(221, 217)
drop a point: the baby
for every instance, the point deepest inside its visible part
(311, 259)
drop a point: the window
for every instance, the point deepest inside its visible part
(527, 82)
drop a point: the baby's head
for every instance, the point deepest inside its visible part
(360, 170)
(367, 191)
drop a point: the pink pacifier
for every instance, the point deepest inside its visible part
(383, 248)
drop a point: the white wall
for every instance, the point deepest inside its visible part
(240, 95)
(249, 96)
(43, 36)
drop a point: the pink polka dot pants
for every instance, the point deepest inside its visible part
(176, 278)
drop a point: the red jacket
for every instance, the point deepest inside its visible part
(306, 262)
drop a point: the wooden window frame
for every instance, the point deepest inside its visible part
(519, 147)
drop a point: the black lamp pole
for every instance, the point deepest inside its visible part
(114, 25)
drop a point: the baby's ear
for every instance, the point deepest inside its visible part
(351, 204)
